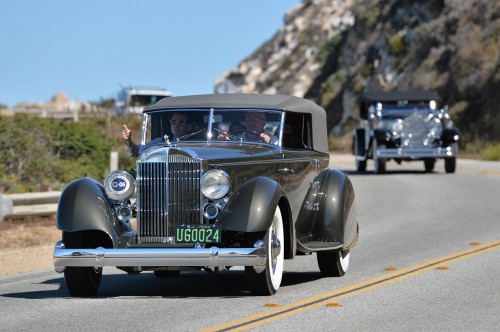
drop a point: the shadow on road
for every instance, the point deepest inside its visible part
(389, 172)
(224, 284)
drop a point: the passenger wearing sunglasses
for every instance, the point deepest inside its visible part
(179, 125)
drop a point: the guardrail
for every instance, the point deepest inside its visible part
(38, 204)
(29, 204)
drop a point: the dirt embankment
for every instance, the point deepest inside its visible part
(27, 245)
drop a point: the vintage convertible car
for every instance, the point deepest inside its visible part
(404, 126)
(212, 199)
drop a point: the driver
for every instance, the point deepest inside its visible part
(254, 124)
(180, 125)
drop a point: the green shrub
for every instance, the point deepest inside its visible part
(329, 52)
(36, 152)
(332, 86)
(491, 152)
(397, 44)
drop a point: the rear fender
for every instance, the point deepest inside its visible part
(84, 206)
(336, 219)
(251, 207)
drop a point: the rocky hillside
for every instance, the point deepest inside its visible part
(331, 51)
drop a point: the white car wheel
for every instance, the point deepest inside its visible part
(267, 281)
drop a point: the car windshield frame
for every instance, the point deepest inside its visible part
(156, 124)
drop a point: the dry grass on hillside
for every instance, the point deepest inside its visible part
(30, 232)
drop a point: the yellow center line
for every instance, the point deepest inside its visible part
(354, 289)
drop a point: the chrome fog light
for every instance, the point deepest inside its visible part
(124, 213)
(211, 211)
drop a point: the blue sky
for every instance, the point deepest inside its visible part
(88, 48)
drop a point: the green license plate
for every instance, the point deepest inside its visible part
(198, 233)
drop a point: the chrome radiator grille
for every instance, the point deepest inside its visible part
(414, 132)
(419, 130)
(168, 194)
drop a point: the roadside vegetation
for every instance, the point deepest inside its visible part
(491, 152)
(42, 154)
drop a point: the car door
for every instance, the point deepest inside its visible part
(299, 169)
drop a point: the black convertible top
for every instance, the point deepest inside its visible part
(415, 96)
(239, 100)
(253, 101)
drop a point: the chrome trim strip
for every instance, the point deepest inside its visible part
(415, 153)
(273, 161)
(211, 257)
(281, 129)
(210, 120)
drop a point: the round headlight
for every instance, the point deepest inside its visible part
(119, 185)
(215, 184)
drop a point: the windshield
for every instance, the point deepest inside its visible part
(391, 114)
(244, 125)
(405, 106)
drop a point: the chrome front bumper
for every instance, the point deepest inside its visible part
(416, 153)
(204, 257)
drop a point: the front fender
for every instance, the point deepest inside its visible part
(450, 136)
(251, 208)
(336, 219)
(84, 205)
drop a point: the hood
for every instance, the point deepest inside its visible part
(214, 151)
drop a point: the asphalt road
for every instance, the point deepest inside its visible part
(428, 258)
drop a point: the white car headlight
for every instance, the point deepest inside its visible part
(215, 184)
(119, 185)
